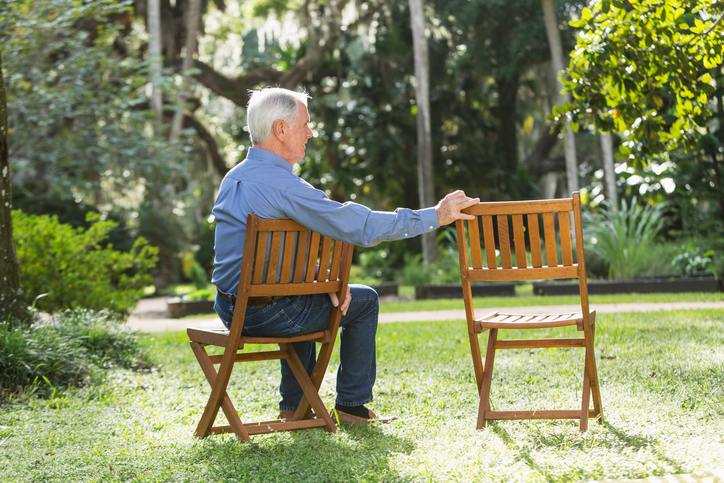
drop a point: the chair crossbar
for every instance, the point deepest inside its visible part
(274, 426)
(555, 414)
(538, 343)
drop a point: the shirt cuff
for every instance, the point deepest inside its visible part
(429, 218)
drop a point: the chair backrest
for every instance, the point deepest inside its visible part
(489, 236)
(282, 257)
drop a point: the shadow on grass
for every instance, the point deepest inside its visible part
(561, 437)
(355, 453)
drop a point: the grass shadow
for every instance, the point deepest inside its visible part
(355, 453)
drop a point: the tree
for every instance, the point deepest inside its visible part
(556, 48)
(424, 135)
(652, 70)
(12, 299)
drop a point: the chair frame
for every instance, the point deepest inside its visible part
(472, 270)
(300, 267)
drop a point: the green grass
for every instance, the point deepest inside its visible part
(662, 378)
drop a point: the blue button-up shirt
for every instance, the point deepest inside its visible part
(264, 184)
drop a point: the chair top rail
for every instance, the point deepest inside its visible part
(520, 207)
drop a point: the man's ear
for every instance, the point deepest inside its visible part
(278, 128)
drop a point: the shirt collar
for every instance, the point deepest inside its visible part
(259, 154)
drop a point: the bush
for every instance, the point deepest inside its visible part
(621, 237)
(70, 266)
(64, 351)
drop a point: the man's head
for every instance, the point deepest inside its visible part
(277, 120)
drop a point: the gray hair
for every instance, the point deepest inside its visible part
(268, 105)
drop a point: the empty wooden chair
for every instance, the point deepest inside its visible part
(299, 262)
(479, 247)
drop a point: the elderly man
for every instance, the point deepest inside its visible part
(278, 123)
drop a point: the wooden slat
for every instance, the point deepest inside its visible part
(336, 255)
(272, 426)
(512, 274)
(560, 414)
(261, 243)
(521, 260)
(535, 323)
(273, 267)
(564, 223)
(282, 289)
(266, 224)
(534, 237)
(539, 343)
(489, 240)
(324, 258)
(504, 241)
(549, 232)
(287, 257)
(302, 254)
(313, 252)
(519, 207)
(475, 249)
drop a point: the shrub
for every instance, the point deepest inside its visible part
(74, 270)
(66, 350)
(692, 260)
(621, 237)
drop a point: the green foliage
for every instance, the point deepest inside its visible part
(193, 271)
(692, 260)
(78, 113)
(74, 270)
(621, 237)
(643, 68)
(68, 349)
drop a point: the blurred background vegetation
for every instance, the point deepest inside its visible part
(86, 138)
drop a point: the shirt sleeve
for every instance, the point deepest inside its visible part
(352, 222)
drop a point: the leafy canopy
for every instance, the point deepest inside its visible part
(641, 68)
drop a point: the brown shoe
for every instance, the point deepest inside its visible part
(342, 417)
(289, 415)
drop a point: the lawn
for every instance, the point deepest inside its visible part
(662, 379)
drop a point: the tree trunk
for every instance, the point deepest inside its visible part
(156, 59)
(12, 299)
(556, 48)
(424, 133)
(609, 175)
(192, 24)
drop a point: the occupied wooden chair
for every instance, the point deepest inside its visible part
(299, 262)
(478, 250)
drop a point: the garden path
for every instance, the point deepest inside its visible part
(150, 315)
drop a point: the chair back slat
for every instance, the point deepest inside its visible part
(534, 233)
(302, 254)
(489, 240)
(324, 259)
(564, 224)
(312, 262)
(504, 241)
(549, 232)
(261, 250)
(521, 260)
(334, 266)
(273, 265)
(476, 258)
(288, 256)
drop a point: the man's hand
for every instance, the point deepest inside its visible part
(448, 209)
(345, 305)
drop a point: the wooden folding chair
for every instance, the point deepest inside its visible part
(497, 217)
(299, 262)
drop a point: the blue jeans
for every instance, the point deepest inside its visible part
(303, 314)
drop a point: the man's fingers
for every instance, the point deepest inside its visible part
(347, 300)
(333, 297)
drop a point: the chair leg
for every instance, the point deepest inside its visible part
(586, 398)
(204, 426)
(320, 368)
(477, 358)
(310, 392)
(487, 378)
(593, 371)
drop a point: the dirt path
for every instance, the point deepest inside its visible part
(151, 315)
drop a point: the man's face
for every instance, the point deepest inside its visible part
(296, 136)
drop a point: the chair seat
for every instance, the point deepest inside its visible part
(219, 337)
(501, 320)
